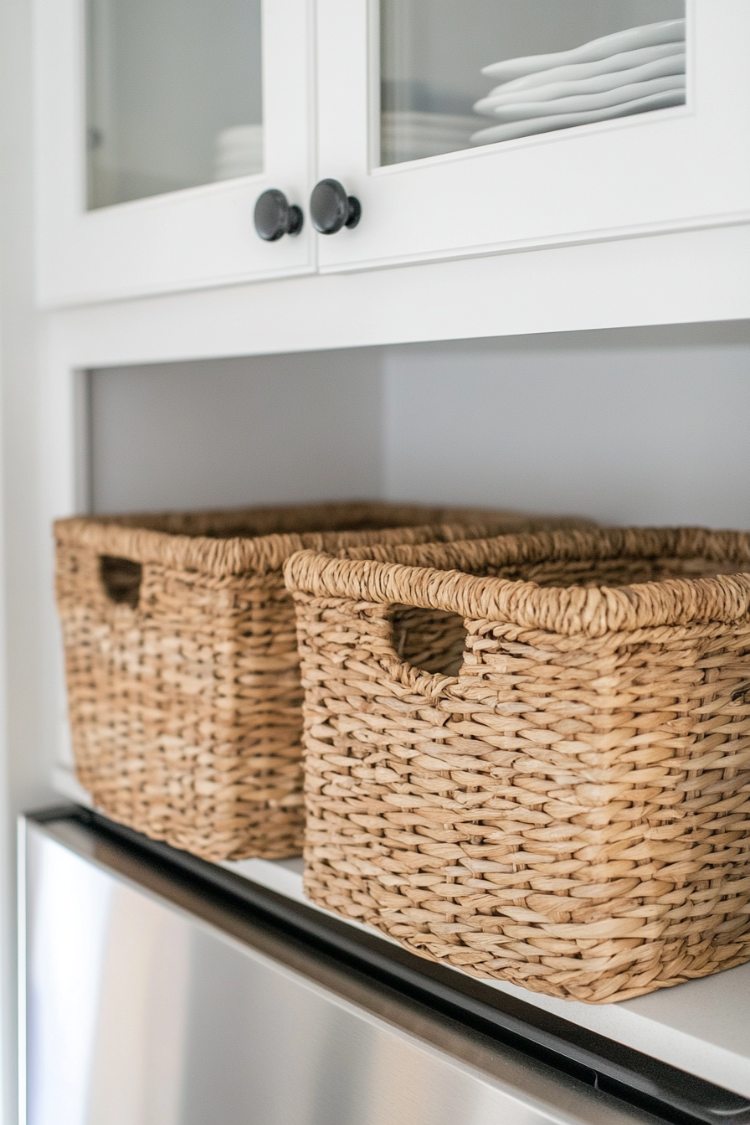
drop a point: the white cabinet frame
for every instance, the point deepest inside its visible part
(667, 170)
(188, 239)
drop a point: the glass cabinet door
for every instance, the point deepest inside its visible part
(453, 76)
(161, 122)
(161, 116)
(485, 125)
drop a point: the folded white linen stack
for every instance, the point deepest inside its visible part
(632, 71)
(238, 151)
(414, 134)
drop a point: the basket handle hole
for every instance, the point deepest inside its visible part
(121, 580)
(431, 640)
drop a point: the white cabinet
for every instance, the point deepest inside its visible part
(630, 128)
(159, 123)
(557, 248)
(625, 170)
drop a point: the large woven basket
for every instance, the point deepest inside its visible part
(182, 669)
(529, 757)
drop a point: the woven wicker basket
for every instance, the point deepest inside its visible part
(529, 757)
(182, 668)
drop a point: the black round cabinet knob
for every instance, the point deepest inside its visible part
(276, 216)
(331, 208)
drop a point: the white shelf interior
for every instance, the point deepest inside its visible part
(627, 425)
(631, 426)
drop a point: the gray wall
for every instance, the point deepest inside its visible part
(236, 432)
(639, 426)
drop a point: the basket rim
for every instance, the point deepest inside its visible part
(163, 538)
(414, 579)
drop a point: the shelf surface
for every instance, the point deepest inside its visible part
(700, 1027)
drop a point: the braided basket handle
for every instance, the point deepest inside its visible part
(384, 620)
(368, 637)
(439, 643)
(120, 580)
(96, 581)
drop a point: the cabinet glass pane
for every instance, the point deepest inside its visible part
(174, 95)
(460, 73)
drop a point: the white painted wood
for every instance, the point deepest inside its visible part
(670, 169)
(187, 239)
(675, 278)
(667, 170)
(7, 927)
(26, 754)
(63, 460)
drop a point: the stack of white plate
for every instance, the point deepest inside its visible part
(238, 151)
(632, 71)
(413, 134)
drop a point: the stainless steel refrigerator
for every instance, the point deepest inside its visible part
(160, 990)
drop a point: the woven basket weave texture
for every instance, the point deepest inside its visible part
(181, 662)
(529, 757)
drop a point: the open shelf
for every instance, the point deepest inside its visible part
(625, 426)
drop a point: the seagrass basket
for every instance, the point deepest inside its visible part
(181, 662)
(529, 757)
